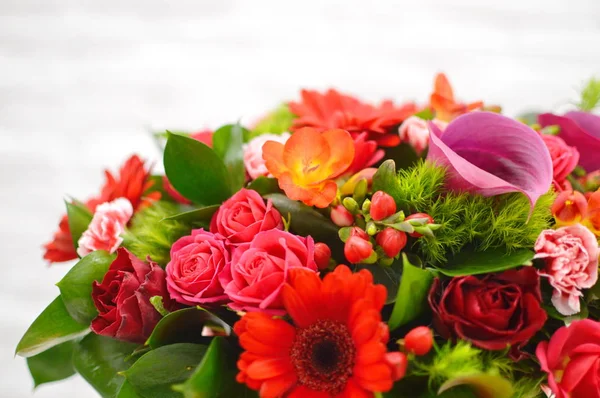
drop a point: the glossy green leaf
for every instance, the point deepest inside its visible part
(185, 326)
(265, 185)
(215, 375)
(79, 218)
(425, 114)
(127, 391)
(493, 260)
(196, 216)
(76, 286)
(196, 171)
(99, 359)
(387, 276)
(52, 327)
(411, 300)
(227, 143)
(386, 179)
(154, 374)
(483, 385)
(52, 365)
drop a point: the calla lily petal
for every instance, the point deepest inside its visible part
(491, 154)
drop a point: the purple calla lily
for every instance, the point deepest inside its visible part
(490, 154)
(581, 130)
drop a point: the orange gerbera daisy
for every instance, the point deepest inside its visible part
(443, 103)
(334, 110)
(335, 348)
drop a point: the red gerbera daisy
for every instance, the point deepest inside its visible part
(336, 347)
(131, 183)
(333, 110)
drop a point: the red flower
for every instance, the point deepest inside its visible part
(132, 182)
(333, 110)
(564, 159)
(335, 348)
(493, 312)
(123, 298)
(572, 360)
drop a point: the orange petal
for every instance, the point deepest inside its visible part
(370, 352)
(277, 386)
(268, 368)
(305, 152)
(353, 390)
(322, 195)
(301, 391)
(341, 147)
(252, 344)
(296, 308)
(272, 331)
(442, 87)
(273, 156)
(308, 286)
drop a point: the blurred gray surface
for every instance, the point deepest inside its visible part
(82, 81)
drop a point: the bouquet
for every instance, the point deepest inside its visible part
(339, 249)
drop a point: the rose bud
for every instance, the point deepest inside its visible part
(322, 255)
(391, 241)
(419, 215)
(419, 340)
(569, 207)
(357, 249)
(341, 216)
(398, 362)
(357, 231)
(382, 206)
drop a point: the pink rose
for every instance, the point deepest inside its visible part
(571, 255)
(253, 160)
(258, 270)
(193, 272)
(564, 158)
(414, 130)
(106, 227)
(243, 216)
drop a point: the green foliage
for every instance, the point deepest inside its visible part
(227, 143)
(151, 234)
(277, 122)
(52, 365)
(480, 222)
(590, 95)
(79, 218)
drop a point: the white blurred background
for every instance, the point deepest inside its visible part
(82, 81)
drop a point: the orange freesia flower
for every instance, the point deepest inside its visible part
(569, 207)
(335, 348)
(308, 162)
(592, 220)
(443, 103)
(334, 110)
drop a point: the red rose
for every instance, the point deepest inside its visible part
(123, 298)
(258, 270)
(564, 158)
(243, 216)
(193, 272)
(572, 360)
(491, 312)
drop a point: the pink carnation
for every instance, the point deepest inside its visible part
(571, 255)
(106, 227)
(415, 131)
(253, 160)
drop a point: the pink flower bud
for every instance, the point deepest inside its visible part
(382, 206)
(391, 241)
(322, 255)
(398, 362)
(357, 249)
(341, 216)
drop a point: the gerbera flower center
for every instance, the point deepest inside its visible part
(323, 356)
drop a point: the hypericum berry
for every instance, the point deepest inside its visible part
(398, 362)
(357, 249)
(341, 216)
(419, 340)
(322, 255)
(357, 231)
(391, 241)
(382, 206)
(419, 215)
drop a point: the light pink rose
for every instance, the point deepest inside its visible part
(194, 268)
(414, 130)
(106, 227)
(253, 160)
(259, 269)
(571, 255)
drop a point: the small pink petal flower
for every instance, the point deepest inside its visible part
(571, 256)
(253, 160)
(106, 227)
(415, 131)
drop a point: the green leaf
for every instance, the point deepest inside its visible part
(387, 276)
(202, 215)
(76, 286)
(265, 185)
(52, 365)
(196, 171)
(227, 143)
(276, 122)
(493, 260)
(458, 392)
(386, 179)
(52, 327)
(483, 385)
(528, 118)
(99, 359)
(215, 375)
(411, 300)
(590, 96)
(425, 114)
(185, 326)
(127, 391)
(404, 155)
(154, 374)
(79, 218)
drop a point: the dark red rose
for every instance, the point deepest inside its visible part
(491, 312)
(123, 298)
